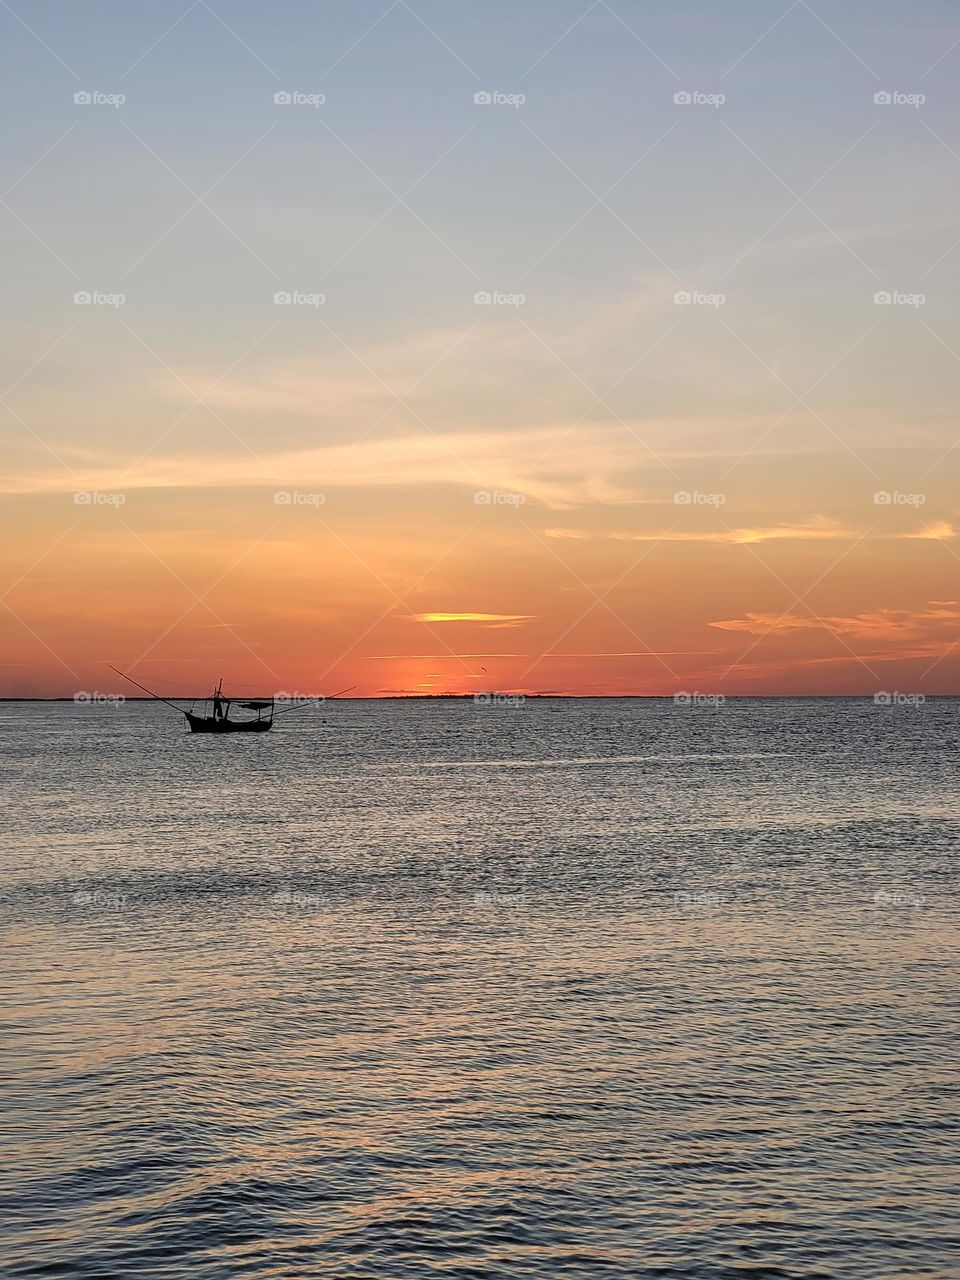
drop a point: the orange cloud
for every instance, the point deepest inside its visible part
(818, 529)
(942, 529)
(883, 624)
(501, 619)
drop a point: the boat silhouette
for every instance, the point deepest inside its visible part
(218, 720)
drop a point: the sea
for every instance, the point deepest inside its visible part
(491, 990)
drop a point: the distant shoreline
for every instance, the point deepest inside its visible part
(539, 697)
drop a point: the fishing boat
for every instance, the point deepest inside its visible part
(218, 720)
(207, 724)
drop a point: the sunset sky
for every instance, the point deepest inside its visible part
(587, 485)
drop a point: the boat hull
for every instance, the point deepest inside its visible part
(206, 724)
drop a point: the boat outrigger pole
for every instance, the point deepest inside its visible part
(308, 702)
(220, 721)
(145, 689)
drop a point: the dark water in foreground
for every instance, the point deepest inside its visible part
(581, 989)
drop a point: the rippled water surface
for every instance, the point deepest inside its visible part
(576, 989)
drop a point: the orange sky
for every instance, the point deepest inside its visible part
(403, 591)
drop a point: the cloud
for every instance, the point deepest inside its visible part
(541, 657)
(590, 466)
(817, 529)
(882, 624)
(435, 657)
(937, 532)
(496, 620)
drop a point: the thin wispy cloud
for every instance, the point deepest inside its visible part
(493, 620)
(819, 530)
(884, 624)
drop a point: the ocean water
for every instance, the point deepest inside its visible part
(429, 989)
